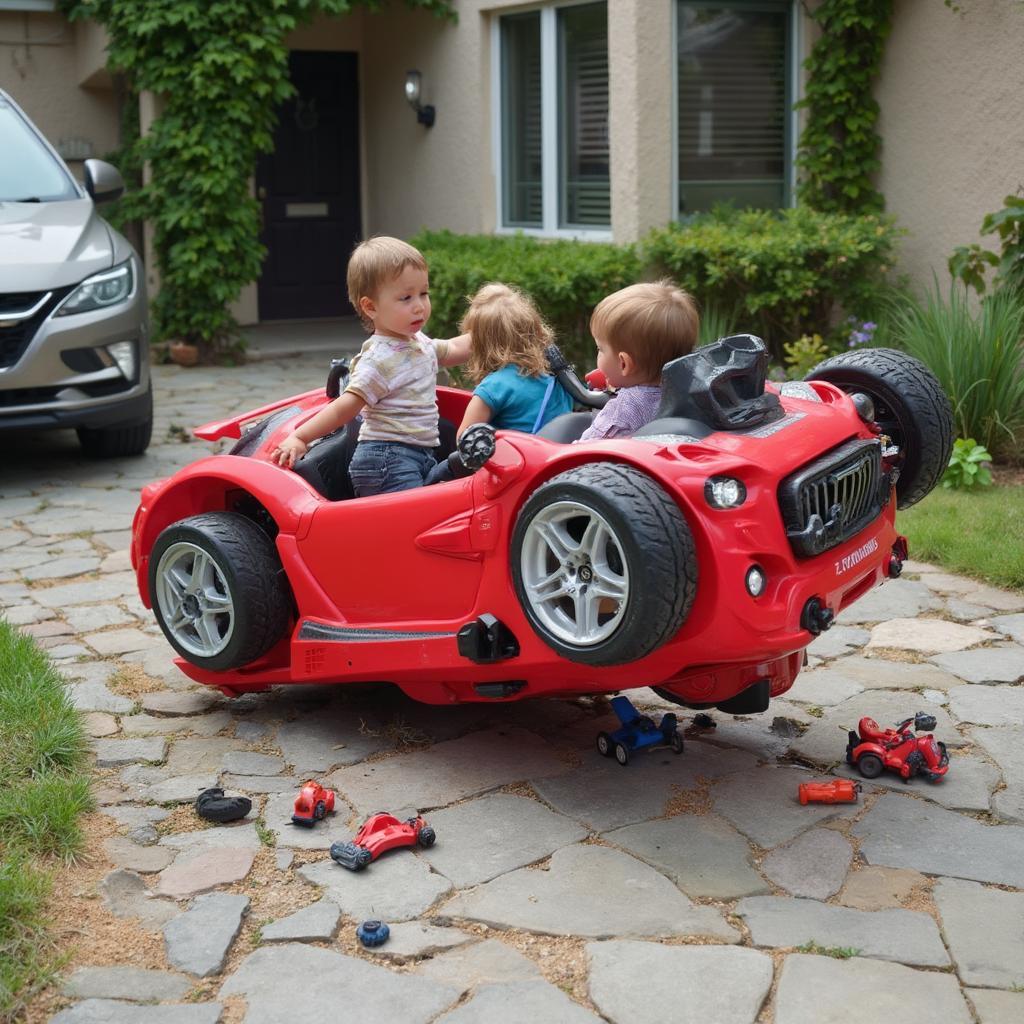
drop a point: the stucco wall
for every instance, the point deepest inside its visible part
(951, 94)
(445, 176)
(43, 76)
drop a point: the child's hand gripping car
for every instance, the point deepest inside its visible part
(380, 833)
(872, 749)
(638, 731)
(312, 804)
(700, 556)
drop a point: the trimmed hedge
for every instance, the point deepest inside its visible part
(778, 274)
(782, 274)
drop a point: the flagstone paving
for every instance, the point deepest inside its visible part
(562, 887)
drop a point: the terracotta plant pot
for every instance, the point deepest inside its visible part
(182, 353)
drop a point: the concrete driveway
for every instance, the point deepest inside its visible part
(562, 887)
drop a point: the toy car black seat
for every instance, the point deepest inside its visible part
(718, 387)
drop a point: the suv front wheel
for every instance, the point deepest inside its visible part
(120, 439)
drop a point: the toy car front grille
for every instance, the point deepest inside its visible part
(833, 498)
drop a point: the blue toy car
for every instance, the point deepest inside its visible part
(638, 731)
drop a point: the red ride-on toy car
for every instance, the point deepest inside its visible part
(381, 832)
(699, 556)
(873, 749)
(312, 804)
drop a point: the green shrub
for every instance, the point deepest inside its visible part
(804, 354)
(787, 273)
(565, 278)
(970, 262)
(977, 353)
(967, 466)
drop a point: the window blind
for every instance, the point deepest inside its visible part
(733, 103)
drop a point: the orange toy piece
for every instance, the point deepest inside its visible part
(838, 791)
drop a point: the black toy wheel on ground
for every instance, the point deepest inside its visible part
(218, 590)
(363, 858)
(427, 837)
(320, 810)
(677, 742)
(910, 407)
(604, 744)
(621, 754)
(870, 766)
(604, 564)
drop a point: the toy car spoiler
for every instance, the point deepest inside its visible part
(217, 429)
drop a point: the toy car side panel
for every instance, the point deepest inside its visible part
(404, 559)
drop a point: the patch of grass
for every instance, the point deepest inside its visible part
(978, 534)
(838, 952)
(264, 834)
(815, 711)
(44, 787)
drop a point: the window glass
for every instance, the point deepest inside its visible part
(733, 101)
(521, 120)
(583, 114)
(28, 169)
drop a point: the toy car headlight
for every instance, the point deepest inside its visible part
(724, 492)
(756, 581)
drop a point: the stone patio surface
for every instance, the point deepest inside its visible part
(562, 887)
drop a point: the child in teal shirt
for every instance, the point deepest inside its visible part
(508, 336)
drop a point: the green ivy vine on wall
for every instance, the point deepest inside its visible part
(220, 68)
(839, 146)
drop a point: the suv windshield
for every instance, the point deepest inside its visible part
(28, 170)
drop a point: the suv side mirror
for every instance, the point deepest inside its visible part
(103, 181)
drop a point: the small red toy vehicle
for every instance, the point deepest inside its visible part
(872, 749)
(312, 803)
(381, 832)
(838, 791)
(699, 556)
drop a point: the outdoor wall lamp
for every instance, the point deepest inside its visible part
(413, 93)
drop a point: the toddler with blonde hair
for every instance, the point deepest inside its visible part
(508, 363)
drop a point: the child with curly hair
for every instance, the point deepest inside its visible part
(508, 365)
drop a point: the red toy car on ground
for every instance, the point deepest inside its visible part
(838, 791)
(873, 749)
(381, 832)
(312, 804)
(700, 556)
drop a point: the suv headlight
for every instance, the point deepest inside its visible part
(99, 291)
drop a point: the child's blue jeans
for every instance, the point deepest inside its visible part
(382, 467)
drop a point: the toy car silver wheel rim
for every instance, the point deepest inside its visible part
(574, 573)
(194, 599)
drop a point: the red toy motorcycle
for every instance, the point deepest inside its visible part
(872, 749)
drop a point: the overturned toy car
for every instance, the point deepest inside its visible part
(700, 556)
(381, 832)
(637, 732)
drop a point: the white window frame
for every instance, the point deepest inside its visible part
(549, 127)
(796, 62)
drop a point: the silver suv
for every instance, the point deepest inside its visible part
(74, 332)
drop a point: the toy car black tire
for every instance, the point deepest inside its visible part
(646, 530)
(320, 810)
(427, 837)
(622, 754)
(247, 576)
(213, 805)
(604, 744)
(677, 742)
(870, 766)
(910, 406)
